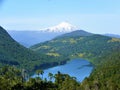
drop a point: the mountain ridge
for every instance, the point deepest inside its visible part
(14, 54)
(105, 75)
(76, 33)
(30, 38)
(89, 47)
(113, 35)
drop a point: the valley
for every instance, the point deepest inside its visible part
(59, 45)
(28, 38)
(101, 51)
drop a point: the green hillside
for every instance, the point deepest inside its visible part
(105, 76)
(75, 34)
(105, 51)
(70, 46)
(14, 54)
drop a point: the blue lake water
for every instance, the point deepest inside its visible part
(78, 68)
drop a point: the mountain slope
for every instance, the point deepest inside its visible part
(113, 35)
(30, 38)
(12, 53)
(106, 74)
(89, 47)
(75, 34)
(104, 77)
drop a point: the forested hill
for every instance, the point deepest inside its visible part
(12, 53)
(75, 34)
(90, 47)
(105, 51)
(106, 75)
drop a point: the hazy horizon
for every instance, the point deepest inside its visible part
(90, 15)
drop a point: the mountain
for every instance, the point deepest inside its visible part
(89, 47)
(29, 38)
(113, 35)
(62, 27)
(106, 74)
(104, 50)
(75, 34)
(14, 54)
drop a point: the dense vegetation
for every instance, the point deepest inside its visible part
(89, 46)
(12, 78)
(12, 53)
(103, 51)
(106, 76)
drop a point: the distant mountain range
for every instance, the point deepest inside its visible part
(113, 35)
(29, 38)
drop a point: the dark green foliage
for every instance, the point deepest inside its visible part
(106, 75)
(9, 76)
(12, 53)
(14, 82)
(88, 47)
(105, 52)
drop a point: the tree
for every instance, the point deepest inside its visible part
(24, 75)
(38, 72)
(50, 76)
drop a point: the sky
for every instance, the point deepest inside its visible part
(96, 16)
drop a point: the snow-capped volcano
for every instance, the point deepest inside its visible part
(62, 27)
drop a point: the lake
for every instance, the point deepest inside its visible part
(78, 68)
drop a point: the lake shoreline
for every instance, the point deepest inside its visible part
(78, 68)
